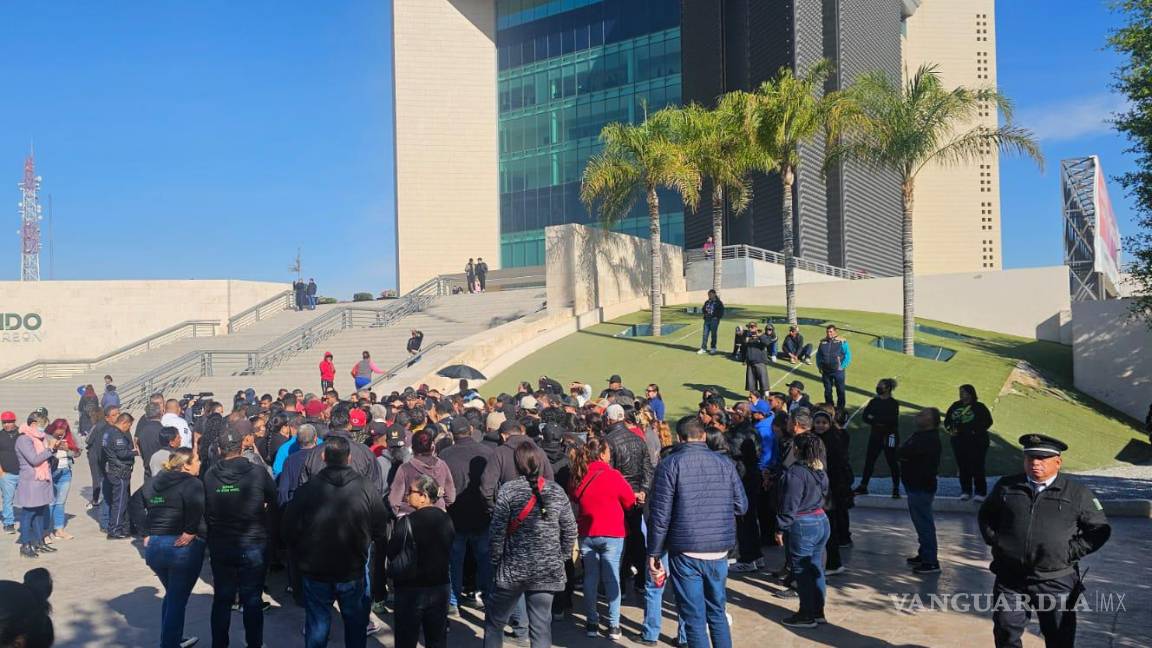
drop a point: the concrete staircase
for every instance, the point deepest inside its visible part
(445, 319)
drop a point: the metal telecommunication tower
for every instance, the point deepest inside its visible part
(30, 222)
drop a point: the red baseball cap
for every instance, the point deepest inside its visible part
(314, 408)
(8, 417)
(357, 418)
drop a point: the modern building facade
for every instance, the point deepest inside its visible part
(956, 217)
(499, 105)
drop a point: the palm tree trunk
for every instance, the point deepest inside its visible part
(717, 235)
(787, 176)
(654, 247)
(909, 279)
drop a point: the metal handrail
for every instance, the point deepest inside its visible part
(60, 368)
(404, 364)
(283, 301)
(770, 256)
(205, 363)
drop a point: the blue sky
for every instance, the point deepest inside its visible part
(211, 139)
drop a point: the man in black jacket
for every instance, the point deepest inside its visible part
(237, 495)
(147, 444)
(631, 457)
(920, 462)
(118, 454)
(363, 460)
(744, 446)
(713, 311)
(467, 459)
(331, 522)
(756, 346)
(793, 348)
(1039, 525)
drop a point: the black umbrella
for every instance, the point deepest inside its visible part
(461, 371)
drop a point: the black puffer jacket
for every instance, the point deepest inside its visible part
(533, 555)
(744, 444)
(630, 456)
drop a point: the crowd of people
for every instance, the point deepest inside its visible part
(420, 502)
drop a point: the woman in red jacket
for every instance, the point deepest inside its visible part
(327, 373)
(601, 495)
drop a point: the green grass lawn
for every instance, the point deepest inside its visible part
(1097, 435)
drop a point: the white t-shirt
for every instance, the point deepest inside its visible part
(176, 421)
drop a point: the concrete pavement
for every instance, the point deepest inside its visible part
(106, 596)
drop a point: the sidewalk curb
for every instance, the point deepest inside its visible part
(1126, 508)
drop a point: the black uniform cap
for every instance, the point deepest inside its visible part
(1042, 445)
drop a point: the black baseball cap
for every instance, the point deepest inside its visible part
(614, 378)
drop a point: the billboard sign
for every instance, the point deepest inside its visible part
(1107, 244)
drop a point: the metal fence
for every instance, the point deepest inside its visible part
(769, 256)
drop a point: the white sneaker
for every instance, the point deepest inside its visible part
(964, 497)
(701, 352)
(744, 567)
(832, 572)
(978, 498)
(731, 621)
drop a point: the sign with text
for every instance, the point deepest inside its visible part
(20, 327)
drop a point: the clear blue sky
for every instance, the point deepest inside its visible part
(211, 139)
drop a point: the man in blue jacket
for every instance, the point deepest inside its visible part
(713, 310)
(832, 358)
(695, 497)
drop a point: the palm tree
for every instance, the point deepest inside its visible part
(785, 113)
(719, 149)
(638, 159)
(909, 126)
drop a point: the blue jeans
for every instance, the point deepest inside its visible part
(601, 556)
(237, 568)
(806, 539)
(34, 524)
(711, 327)
(479, 544)
(700, 595)
(355, 604)
(8, 485)
(920, 510)
(834, 379)
(178, 568)
(61, 482)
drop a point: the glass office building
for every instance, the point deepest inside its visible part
(567, 68)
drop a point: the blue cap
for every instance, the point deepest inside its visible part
(761, 406)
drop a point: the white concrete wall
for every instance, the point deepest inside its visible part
(1026, 302)
(84, 319)
(747, 273)
(1111, 356)
(447, 160)
(588, 268)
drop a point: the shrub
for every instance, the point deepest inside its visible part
(325, 300)
(362, 296)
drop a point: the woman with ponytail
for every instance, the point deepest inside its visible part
(532, 530)
(602, 495)
(174, 539)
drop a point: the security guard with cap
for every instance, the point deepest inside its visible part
(1039, 525)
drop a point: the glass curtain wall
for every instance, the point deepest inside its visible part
(567, 68)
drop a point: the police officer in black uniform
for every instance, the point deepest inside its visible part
(119, 455)
(1039, 525)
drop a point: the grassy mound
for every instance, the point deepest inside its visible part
(1039, 399)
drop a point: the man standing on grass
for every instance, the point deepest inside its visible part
(713, 310)
(832, 359)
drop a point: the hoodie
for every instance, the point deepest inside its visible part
(175, 502)
(412, 470)
(332, 521)
(236, 495)
(110, 397)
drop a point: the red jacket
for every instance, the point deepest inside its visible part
(327, 370)
(603, 496)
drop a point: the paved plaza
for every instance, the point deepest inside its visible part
(106, 596)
